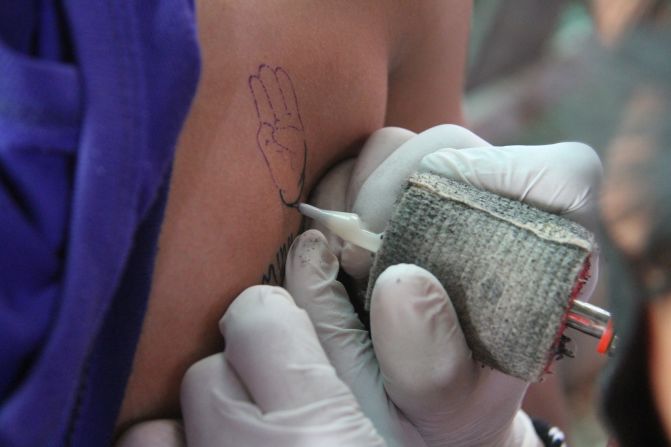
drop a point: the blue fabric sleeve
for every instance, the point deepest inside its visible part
(92, 97)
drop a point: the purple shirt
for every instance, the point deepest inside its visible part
(92, 97)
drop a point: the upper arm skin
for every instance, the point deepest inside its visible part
(426, 86)
(226, 223)
(227, 226)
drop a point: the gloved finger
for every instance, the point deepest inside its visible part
(212, 400)
(427, 366)
(334, 191)
(375, 199)
(311, 272)
(311, 278)
(156, 433)
(272, 344)
(330, 194)
(218, 411)
(420, 347)
(561, 178)
(378, 147)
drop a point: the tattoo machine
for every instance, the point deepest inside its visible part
(512, 271)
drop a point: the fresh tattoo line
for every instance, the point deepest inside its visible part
(280, 136)
(275, 271)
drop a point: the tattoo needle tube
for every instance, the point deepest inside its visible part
(346, 225)
(583, 317)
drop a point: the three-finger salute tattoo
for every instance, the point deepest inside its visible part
(280, 135)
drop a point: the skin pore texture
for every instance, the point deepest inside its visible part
(288, 89)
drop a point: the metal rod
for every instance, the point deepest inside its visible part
(588, 319)
(590, 311)
(591, 320)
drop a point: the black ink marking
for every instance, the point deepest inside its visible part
(276, 269)
(564, 349)
(280, 136)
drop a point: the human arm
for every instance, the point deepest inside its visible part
(448, 398)
(224, 204)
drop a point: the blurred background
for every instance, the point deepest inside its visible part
(596, 71)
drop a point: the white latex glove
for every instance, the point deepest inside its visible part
(273, 384)
(421, 364)
(156, 433)
(561, 178)
(370, 184)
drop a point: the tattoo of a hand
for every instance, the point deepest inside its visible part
(280, 136)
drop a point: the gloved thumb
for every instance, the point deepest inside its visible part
(272, 344)
(427, 366)
(311, 279)
(273, 385)
(373, 199)
(418, 340)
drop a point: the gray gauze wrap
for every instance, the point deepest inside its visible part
(508, 268)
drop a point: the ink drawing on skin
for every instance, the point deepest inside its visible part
(275, 271)
(280, 136)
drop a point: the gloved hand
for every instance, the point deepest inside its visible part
(421, 364)
(273, 384)
(423, 367)
(425, 363)
(561, 178)
(370, 184)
